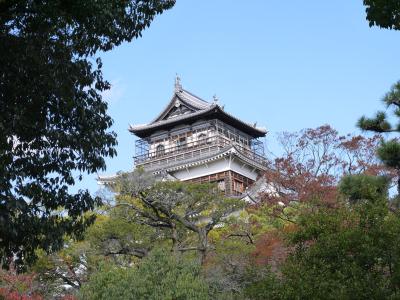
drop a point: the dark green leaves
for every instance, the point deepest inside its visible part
(389, 153)
(158, 276)
(364, 187)
(380, 123)
(377, 124)
(383, 13)
(53, 120)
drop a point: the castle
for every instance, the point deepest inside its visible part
(198, 141)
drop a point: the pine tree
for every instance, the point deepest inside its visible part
(389, 151)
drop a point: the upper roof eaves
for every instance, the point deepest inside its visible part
(199, 106)
(136, 129)
(153, 124)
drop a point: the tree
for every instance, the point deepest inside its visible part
(117, 238)
(389, 151)
(64, 272)
(343, 251)
(158, 276)
(111, 238)
(230, 264)
(19, 286)
(312, 163)
(383, 13)
(349, 250)
(54, 122)
(175, 208)
(364, 187)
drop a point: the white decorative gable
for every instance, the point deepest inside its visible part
(177, 109)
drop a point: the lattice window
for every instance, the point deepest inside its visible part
(160, 150)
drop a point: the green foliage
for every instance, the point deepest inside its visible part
(383, 13)
(342, 252)
(364, 187)
(54, 125)
(269, 288)
(176, 216)
(185, 213)
(389, 153)
(159, 276)
(242, 252)
(116, 237)
(111, 238)
(230, 267)
(393, 96)
(377, 124)
(344, 260)
(380, 122)
(68, 267)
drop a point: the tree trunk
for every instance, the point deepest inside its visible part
(398, 183)
(203, 245)
(174, 237)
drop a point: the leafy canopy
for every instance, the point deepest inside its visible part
(389, 151)
(338, 252)
(383, 13)
(54, 122)
(178, 210)
(158, 276)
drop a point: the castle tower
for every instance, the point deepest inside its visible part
(198, 141)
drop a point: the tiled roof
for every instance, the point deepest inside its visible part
(132, 128)
(200, 108)
(229, 150)
(191, 100)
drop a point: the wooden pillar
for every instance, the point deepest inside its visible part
(228, 183)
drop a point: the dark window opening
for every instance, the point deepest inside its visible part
(160, 150)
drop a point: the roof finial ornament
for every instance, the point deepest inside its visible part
(215, 99)
(178, 85)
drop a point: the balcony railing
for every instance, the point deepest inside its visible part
(188, 151)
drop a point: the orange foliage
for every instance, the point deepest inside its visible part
(313, 162)
(18, 286)
(270, 250)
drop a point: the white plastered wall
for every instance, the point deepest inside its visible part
(216, 166)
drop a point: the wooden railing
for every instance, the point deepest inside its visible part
(188, 151)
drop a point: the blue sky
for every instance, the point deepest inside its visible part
(286, 65)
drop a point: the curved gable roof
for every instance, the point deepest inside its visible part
(195, 108)
(186, 98)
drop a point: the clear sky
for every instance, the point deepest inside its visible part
(286, 65)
